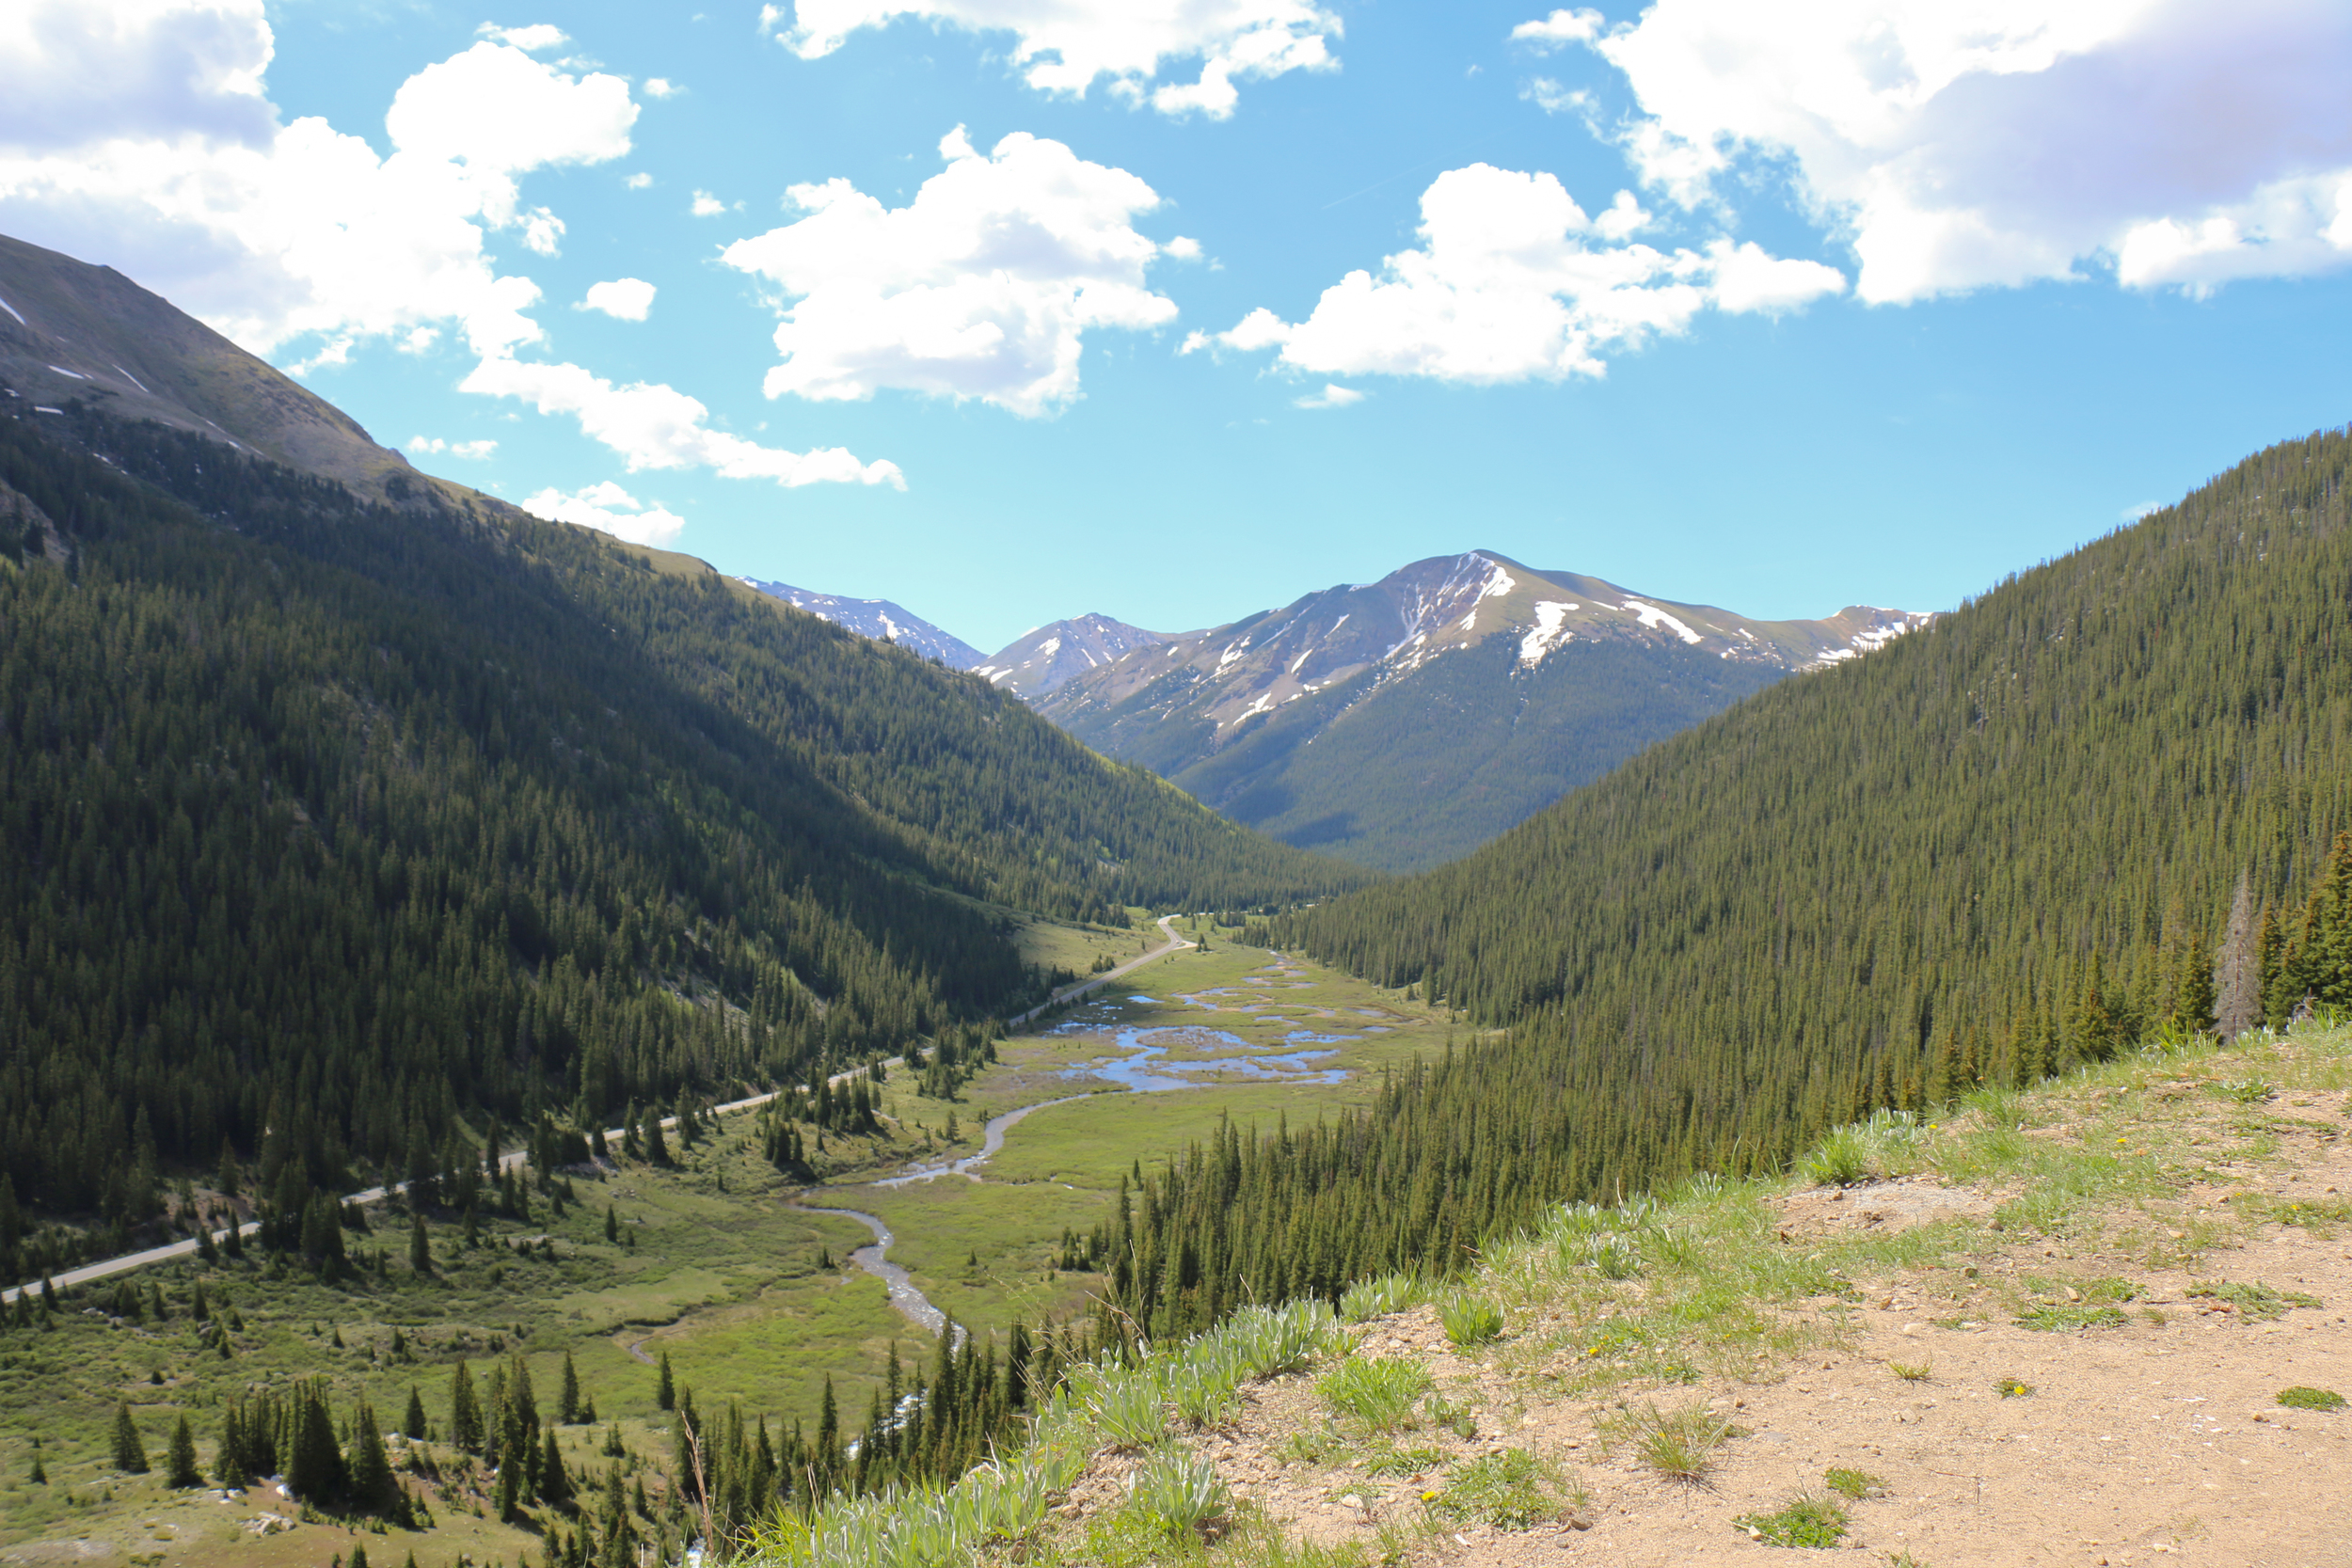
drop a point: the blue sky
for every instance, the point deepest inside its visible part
(1901, 298)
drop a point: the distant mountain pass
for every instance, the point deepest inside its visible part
(1403, 723)
(878, 619)
(1043, 660)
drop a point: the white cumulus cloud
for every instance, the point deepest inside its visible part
(140, 67)
(661, 87)
(1961, 143)
(1514, 281)
(707, 205)
(1560, 27)
(271, 232)
(981, 287)
(625, 298)
(610, 508)
(1067, 45)
(539, 34)
(433, 446)
(656, 426)
(1332, 396)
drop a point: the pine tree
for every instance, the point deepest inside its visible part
(412, 1423)
(38, 1475)
(314, 1468)
(567, 1401)
(181, 1464)
(368, 1472)
(555, 1486)
(665, 1389)
(420, 1247)
(130, 1453)
(465, 1412)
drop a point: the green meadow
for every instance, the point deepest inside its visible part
(752, 1300)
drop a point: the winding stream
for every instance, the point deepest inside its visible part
(1143, 1069)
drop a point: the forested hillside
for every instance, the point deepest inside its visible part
(2005, 844)
(324, 824)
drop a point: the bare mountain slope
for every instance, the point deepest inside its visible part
(1049, 658)
(878, 619)
(1403, 723)
(68, 330)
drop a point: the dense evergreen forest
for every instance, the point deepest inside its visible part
(2091, 807)
(325, 825)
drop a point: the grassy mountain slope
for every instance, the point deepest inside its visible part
(329, 826)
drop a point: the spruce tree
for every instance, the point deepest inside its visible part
(465, 1412)
(420, 1247)
(181, 1464)
(412, 1424)
(567, 1401)
(130, 1453)
(315, 1470)
(368, 1472)
(665, 1388)
(555, 1486)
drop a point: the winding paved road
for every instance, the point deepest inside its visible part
(124, 1264)
(106, 1268)
(1175, 943)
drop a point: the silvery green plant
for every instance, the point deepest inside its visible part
(1179, 1493)
(1383, 1298)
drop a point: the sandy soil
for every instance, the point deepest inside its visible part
(2159, 1440)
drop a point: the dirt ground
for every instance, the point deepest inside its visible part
(2158, 1440)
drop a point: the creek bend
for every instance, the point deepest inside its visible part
(1141, 1067)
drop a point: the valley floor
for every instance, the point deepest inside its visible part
(716, 1268)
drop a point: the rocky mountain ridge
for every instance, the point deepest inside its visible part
(1045, 659)
(1404, 722)
(879, 619)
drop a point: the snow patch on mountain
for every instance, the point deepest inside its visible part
(1652, 618)
(1551, 628)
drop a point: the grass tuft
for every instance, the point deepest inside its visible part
(1809, 1520)
(1678, 1444)
(1911, 1371)
(2300, 1398)
(1375, 1396)
(1510, 1489)
(1471, 1320)
(2011, 1388)
(1853, 1486)
(2254, 1300)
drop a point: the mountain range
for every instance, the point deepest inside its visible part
(1398, 723)
(1401, 723)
